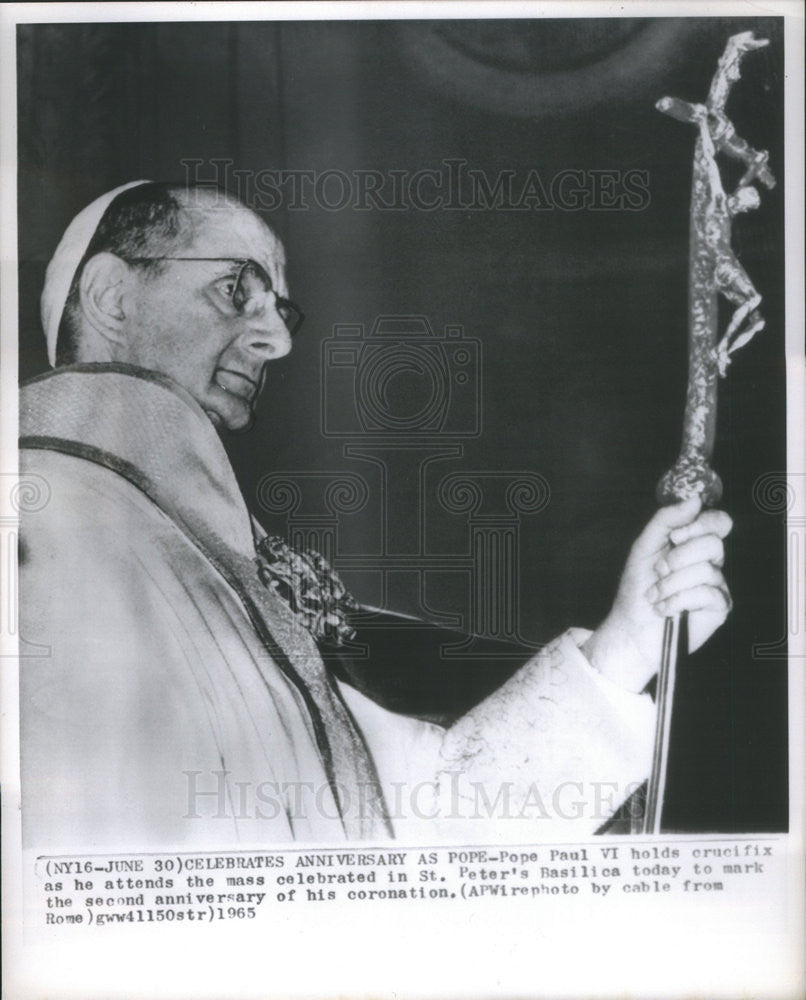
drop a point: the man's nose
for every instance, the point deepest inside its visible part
(266, 330)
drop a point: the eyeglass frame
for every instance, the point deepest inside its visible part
(279, 300)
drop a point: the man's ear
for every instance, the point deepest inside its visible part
(105, 282)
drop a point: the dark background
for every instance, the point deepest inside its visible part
(581, 314)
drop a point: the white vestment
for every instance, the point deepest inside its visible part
(169, 698)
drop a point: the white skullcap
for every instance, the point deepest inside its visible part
(64, 263)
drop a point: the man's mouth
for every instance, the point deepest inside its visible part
(236, 383)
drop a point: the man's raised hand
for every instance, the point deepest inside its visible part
(675, 565)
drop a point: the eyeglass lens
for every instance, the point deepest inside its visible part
(253, 284)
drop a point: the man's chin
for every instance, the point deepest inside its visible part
(235, 418)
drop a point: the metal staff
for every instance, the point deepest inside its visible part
(713, 270)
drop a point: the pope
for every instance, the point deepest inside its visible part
(184, 698)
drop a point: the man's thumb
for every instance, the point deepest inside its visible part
(656, 533)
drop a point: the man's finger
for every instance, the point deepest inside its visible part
(689, 578)
(705, 548)
(710, 522)
(702, 598)
(657, 532)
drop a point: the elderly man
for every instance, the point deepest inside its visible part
(184, 699)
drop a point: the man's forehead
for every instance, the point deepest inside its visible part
(228, 229)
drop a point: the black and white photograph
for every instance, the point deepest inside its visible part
(400, 514)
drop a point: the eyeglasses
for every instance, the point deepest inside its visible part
(248, 288)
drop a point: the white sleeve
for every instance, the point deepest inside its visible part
(550, 755)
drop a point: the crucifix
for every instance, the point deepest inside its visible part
(714, 270)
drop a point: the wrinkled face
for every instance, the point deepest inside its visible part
(184, 324)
